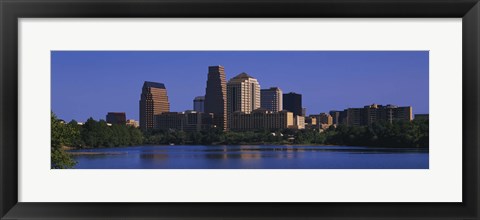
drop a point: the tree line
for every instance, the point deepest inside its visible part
(402, 134)
(92, 134)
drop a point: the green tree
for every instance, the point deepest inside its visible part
(61, 135)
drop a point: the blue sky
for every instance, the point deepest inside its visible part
(91, 83)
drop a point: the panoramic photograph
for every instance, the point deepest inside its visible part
(239, 110)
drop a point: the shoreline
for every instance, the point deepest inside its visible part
(73, 150)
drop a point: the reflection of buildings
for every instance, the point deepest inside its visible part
(199, 104)
(292, 102)
(153, 101)
(216, 95)
(243, 95)
(261, 119)
(116, 118)
(271, 99)
(184, 121)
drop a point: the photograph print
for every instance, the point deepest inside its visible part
(239, 109)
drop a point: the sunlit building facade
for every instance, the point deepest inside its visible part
(243, 95)
(153, 101)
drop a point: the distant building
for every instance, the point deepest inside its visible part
(271, 99)
(216, 96)
(325, 119)
(199, 104)
(292, 102)
(133, 123)
(377, 113)
(197, 121)
(261, 119)
(153, 101)
(338, 117)
(421, 117)
(184, 121)
(299, 122)
(169, 120)
(117, 118)
(304, 111)
(243, 95)
(311, 120)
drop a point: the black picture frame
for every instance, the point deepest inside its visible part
(12, 10)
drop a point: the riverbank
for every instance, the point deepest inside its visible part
(72, 150)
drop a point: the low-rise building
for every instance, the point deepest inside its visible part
(183, 121)
(117, 118)
(300, 122)
(133, 123)
(377, 113)
(261, 119)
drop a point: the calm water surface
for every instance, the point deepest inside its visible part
(251, 157)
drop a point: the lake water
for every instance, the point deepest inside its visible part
(251, 157)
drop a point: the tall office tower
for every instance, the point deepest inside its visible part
(118, 118)
(199, 104)
(292, 102)
(216, 96)
(153, 101)
(271, 99)
(243, 95)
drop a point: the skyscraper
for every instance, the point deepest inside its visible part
(243, 94)
(216, 95)
(292, 102)
(153, 101)
(199, 104)
(271, 99)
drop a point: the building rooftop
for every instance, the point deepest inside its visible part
(272, 89)
(200, 98)
(154, 85)
(242, 75)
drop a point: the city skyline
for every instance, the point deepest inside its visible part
(380, 86)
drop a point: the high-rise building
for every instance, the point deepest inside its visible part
(199, 104)
(216, 96)
(293, 102)
(271, 99)
(153, 101)
(243, 95)
(118, 118)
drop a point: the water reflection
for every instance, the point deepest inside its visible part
(251, 157)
